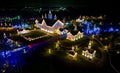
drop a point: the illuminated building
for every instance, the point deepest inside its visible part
(36, 21)
(6, 25)
(74, 48)
(55, 17)
(22, 32)
(51, 29)
(89, 28)
(72, 53)
(65, 31)
(89, 53)
(50, 16)
(74, 37)
(79, 20)
(21, 26)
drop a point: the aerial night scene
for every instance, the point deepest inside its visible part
(59, 36)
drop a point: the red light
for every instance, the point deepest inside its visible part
(30, 46)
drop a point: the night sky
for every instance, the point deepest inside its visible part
(57, 3)
(109, 7)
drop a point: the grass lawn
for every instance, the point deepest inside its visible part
(34, 34)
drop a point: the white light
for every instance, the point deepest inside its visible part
(83, 52)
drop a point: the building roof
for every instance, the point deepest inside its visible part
(57, 24)
(89, 50)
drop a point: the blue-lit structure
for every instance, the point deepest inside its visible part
(10, 56)
(20, 26)
(13, 57)
(89, 28)
(50, 16)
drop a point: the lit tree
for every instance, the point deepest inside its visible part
(57, 44)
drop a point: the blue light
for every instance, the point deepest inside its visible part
(67, 24)
(32, 18)
(17, 26)
(50, 16)
(19, 49)
(3, 54)
(97, 32)
(7, 53)
(25, 25)
(13, 57)
(116, 30)
(91, 32)
(84, 22)
(105, 30)
(11, 45)
(111, 30)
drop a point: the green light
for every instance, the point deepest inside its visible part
(18, 17)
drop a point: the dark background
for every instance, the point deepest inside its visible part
(110, 7)
(64, 3)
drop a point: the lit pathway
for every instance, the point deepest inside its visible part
(45, 42)
(39, 44)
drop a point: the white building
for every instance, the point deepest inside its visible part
(51, 29)
(74, 37)
(89, 53)
(36, 21)
(79, 20)
(23, 31)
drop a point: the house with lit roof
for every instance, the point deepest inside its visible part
(74, 37)
(50, 29)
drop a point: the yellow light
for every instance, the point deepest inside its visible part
(49, 51)
(118, 52)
